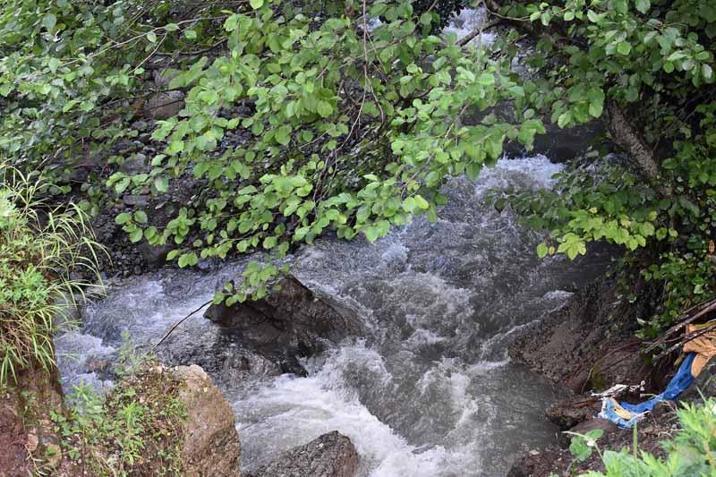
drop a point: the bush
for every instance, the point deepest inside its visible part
(39, 248)
(136, 429)
(692, 452)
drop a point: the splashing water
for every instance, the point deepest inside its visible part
(429, 390)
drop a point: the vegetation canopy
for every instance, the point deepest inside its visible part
(348, 117)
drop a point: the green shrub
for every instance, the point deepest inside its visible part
(135, 430)
(691, 452)
(39, 248)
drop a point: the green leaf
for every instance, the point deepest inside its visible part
(564, 119)
(49, 21)
(269, 242)
(152, 37)
(572, 245)
(283, 135)
(324, 108)
(231, 23)
(642, 5)
(122, 218)
(596, 102)
(623, 48)
(421, 203)
(542, 250)
(256, 4)
(140, 217)
(371, 233)
(409, 204)
(161, 183)
(188, 260)
(122, 185)
(486, 79)
(136, 235)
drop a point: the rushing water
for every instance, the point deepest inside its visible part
(429, 390)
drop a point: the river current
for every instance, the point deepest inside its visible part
(429, 389)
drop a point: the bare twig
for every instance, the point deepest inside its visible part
(175, 325)
(692, 314)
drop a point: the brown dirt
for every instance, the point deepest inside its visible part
(654, 429)
(28, 441)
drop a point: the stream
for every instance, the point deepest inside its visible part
(429, 390)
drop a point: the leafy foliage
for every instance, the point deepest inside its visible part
(134, 430)
(347, 118)
(649, 65)
(692, 451)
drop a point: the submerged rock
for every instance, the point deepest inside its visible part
(330, 455)
(589, 343)
(291, 322)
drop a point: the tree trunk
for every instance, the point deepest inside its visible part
(626, 137)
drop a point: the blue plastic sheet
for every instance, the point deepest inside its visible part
(678, 384)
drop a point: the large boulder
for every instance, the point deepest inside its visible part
(186, 427)
(293, 321)
(330, 455)
(211, 443)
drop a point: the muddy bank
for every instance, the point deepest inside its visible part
(589, 342)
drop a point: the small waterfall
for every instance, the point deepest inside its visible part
(429, 390)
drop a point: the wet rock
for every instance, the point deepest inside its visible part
(292, 321)
(330, 455)
(593, 425)
(154, 255)
(570, 412)
(164, 105)
(218, 354)
(136, 200)
(589, 343)
(564, 145)
(211, 444)
(135, 164)
(162, 77)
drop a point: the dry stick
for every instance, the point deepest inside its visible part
(477, 32)
(687, 338)
(175, 325)
(703, 309)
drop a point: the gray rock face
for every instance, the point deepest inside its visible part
(164, 105)
(218, 354)
(292, 321)
(330, 455)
